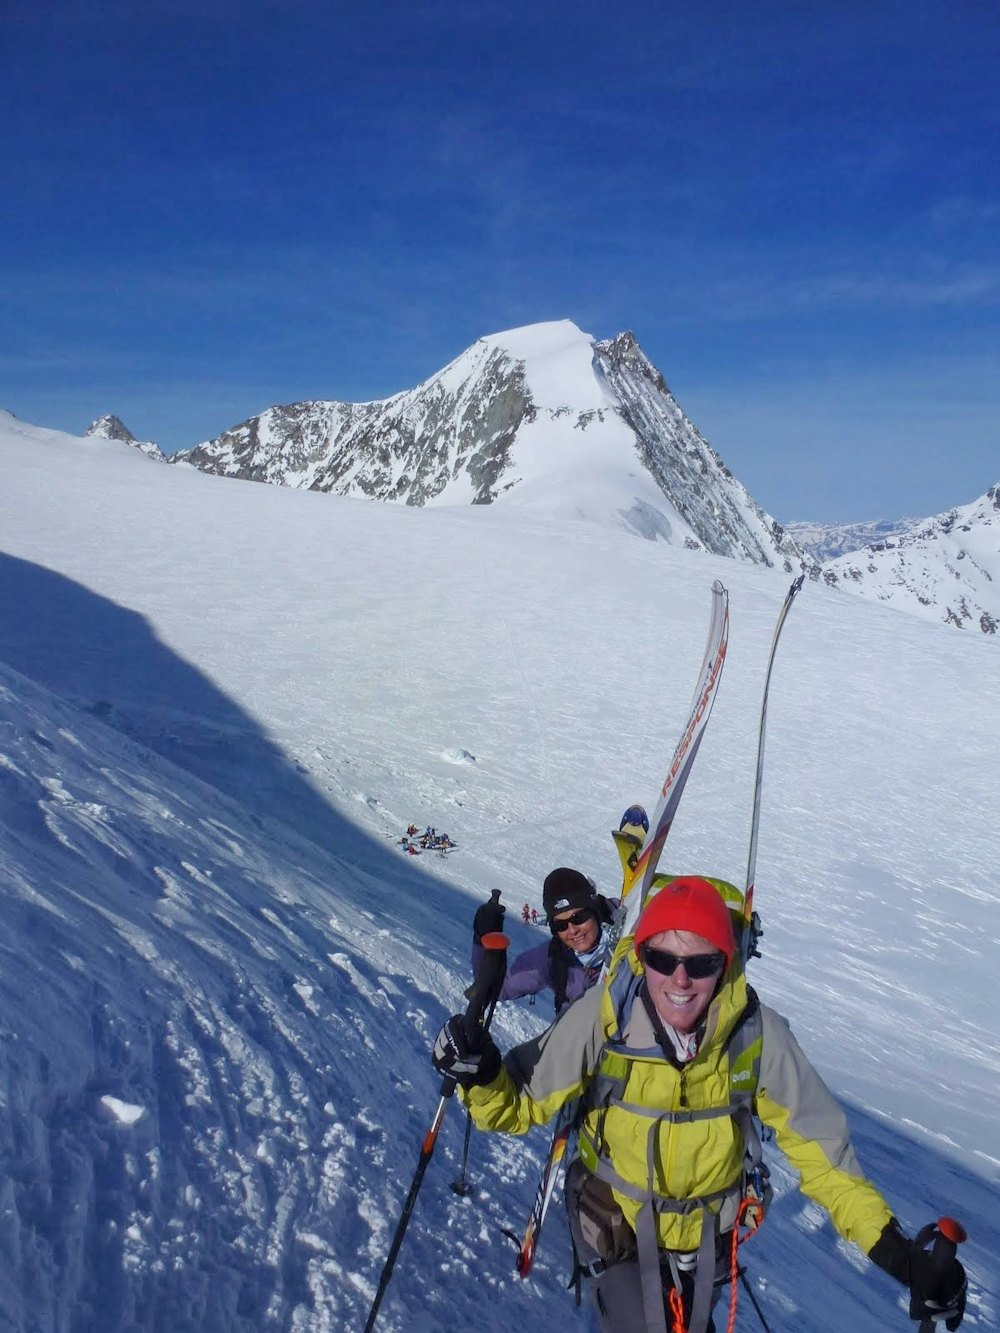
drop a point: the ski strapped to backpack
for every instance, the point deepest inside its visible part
(641, 871)
(683, 761)
(751, 926)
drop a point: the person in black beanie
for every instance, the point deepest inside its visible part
(571, 962)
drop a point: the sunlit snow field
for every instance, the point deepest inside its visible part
(222, 703)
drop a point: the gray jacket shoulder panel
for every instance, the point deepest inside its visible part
(788, 1078)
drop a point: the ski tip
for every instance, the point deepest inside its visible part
(636, 817)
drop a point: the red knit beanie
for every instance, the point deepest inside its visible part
(689, 904)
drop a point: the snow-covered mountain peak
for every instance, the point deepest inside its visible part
(541, 415)
(546, 338)
(110, 427)
(558, 362)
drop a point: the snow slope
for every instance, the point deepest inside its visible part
(219, 705)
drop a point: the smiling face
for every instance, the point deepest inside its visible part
(580, 938)
(679, 999)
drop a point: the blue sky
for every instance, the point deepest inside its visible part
(796, 207)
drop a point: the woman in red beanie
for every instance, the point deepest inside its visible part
(684, 940)
(671, 1061)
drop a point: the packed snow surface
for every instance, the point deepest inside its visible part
(559, 362)
(220, 706)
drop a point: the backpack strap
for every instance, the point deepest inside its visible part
(605, 912)
(744, 1047)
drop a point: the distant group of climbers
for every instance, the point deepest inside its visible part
(414, 842)
(673, 1060)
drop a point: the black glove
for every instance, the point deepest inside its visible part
(937, 1290)
(471, 1059)
(488, 918)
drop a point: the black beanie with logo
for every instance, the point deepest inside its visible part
(566, 890)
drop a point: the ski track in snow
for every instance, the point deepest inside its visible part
(208, 920)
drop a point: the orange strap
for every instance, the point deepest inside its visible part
(677, 1310)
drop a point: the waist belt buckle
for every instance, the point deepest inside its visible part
(687, 1260)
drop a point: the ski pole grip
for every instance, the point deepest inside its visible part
(950, 1230)
(489, 978)
(947, 1234)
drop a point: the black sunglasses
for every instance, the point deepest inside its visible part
(577, 919)
(696, 965)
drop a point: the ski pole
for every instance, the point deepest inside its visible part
(460, 1184)
(753, 1300)
(482, 996)
(947, 1235)
(751, 927)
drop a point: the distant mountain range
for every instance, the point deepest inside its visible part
(945, 568)
(827, 541)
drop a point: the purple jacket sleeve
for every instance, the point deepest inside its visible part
(531, 972)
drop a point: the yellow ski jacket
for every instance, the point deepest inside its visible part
(697, 1158)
